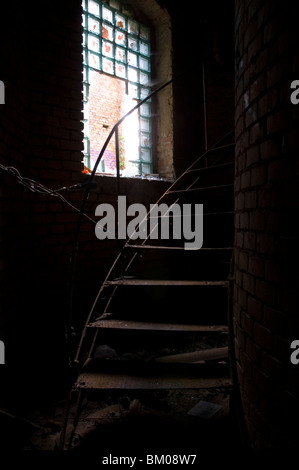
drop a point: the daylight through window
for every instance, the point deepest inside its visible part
(116, 51)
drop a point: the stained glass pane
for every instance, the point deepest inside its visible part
(132, 74)
(107, 14)
(145, 109)
(93, 43)
(133, 27)
(93, 61)
(144, 32)
(120, 38)
(107, 32)
(144, 48)
(93, 25)
(145, 140)
(132, 59)
(120, 70)
(107, 49)
(144, 78)
(144, 63)
(120, 54)
(145, 124)
(94, 8)
(108, 66)
(146, 155)
(133, 90)
(133, 44)
(120, 21)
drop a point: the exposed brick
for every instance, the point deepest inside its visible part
(262, 336)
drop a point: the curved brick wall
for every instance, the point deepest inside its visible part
(266, 237)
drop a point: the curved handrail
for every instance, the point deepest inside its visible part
(87, 190)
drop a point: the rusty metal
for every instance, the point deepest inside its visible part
(150, 326)
(106, 381)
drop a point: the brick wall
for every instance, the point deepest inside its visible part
(41, 135)
(105, 109)
(266, 234)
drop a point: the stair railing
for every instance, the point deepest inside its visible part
(115, 130)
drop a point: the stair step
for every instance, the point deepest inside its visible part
(162, 282)
(180, 248)
(209, 169)
(212, 354)
(149, 326)
(108, 381)
(206, 188)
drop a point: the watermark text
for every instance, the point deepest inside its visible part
(295, 354)
(295, 94)
(164, 222)
(2, 353)
(2, 92)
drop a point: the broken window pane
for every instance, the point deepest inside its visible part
(132, 74)
(133, 90)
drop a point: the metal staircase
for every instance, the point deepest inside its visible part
(159, 300)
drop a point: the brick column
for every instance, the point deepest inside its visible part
(266, 234)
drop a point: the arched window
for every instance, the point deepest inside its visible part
(118, 71)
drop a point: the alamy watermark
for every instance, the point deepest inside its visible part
(164, 222)
(2, 353)
(295, 354)
(2, 92)
(295, 94)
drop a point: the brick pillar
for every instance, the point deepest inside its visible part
(266, 234)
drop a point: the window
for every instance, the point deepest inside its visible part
(116, 50)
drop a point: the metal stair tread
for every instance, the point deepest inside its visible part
(174, 248)
(150, 326)
(163, 282)
(206, 188)
(221, 166)
(108, 381)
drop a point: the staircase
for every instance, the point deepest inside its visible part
(160, 319)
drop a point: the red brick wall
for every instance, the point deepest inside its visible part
(266, 234)
(106, 106)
